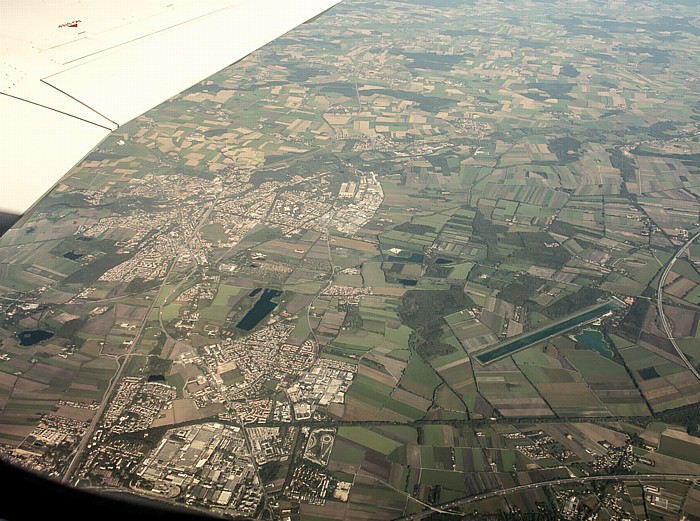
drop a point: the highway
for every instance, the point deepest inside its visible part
(660, 304)
(445, 507)
(79, 452)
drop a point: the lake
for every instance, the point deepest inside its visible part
(261, 309)
(594, 339)
(32, 337)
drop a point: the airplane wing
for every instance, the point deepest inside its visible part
(72, 71)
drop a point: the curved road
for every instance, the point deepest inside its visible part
(79, 452)
(660, 304)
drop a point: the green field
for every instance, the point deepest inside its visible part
(434, 435)
(461, 271)
(446, 479)
(401, 433)
(458, 354)
(406, 411)
(368, 438)
(398, 336)
(680, 448)
(214, 232)
(170, 312)
(373, 275)
(224, 294)
(369, 391)
(362, 341)
(344, 453)
(419, 377)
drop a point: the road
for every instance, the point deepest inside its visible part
(80, 450)
(445, 507)
(660, 304)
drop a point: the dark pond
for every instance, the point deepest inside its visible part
(414, 257)
(261, 309)
(32, 337)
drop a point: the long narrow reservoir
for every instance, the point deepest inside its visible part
(515, 344)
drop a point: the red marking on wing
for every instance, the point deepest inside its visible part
(73, 24)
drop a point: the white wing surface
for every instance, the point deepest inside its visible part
(72, 71)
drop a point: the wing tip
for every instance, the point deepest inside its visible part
(319, 15)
